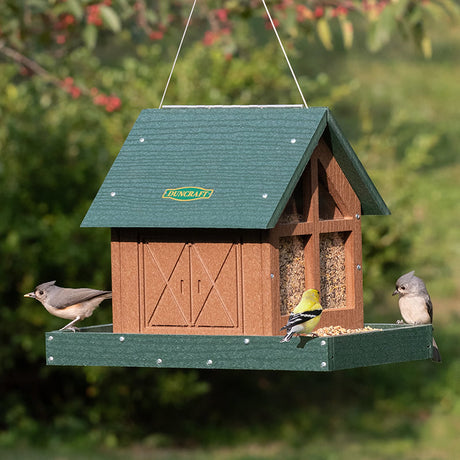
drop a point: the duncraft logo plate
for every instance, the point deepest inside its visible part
(188, 193)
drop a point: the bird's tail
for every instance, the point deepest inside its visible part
(436, 355)
(287, 337)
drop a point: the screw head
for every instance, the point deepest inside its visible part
(141, 139)
(264, 195)
(122, 339)
(209, 362)
(323, 342)
(113, 194)
(293, 141)
(323, 364)
(159, 361)
(358, 267)
(50, 338)
(246, 341)
(50, 359)
(358, 216)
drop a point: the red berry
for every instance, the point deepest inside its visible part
(156, 35)
(319, 12)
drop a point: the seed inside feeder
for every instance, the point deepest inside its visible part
(332, 269)
(292, 271)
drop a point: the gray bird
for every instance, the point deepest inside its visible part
(74, 304)
(415, 304)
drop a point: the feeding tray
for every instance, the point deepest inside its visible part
(99, 346)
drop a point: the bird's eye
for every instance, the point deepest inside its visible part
(40, 292)
(403, 288)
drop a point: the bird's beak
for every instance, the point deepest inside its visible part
(30, 294)
(395, 292)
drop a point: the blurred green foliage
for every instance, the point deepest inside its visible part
(56, 146)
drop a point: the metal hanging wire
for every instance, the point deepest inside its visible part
(177, 54)
(285, 55)
(274, 30)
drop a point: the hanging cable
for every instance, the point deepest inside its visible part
(274, 30)
(177, 54)
(285, 55)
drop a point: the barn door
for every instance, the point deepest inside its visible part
(191, 285)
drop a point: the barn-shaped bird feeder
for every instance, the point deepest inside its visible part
(221, 217)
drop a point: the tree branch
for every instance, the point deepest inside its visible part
(27, 62)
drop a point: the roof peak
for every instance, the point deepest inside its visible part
(235, 166)
(266, 106)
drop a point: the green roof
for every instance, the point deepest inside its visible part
(249, 160)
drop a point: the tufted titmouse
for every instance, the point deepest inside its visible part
(415, 304)
(74, 304)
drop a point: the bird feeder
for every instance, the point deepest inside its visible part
(221, 217)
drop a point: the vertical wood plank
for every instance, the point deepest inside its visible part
(239, 282)
(129, 286)
(117, 311)
(141, 284)
(252, 291)
(312, 265)
(357, 279)
(272, 280)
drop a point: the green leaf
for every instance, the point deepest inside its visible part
(75, 8)
(90, 35)
(451, 7)
(324, 33)
(152, 16)
(347, 32)
(382, 29)
(110, 18)
(426, 47)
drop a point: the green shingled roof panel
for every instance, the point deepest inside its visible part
(242, 163)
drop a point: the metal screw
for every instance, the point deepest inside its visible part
(141, 139)
(358, 216)
(272, 275)
(293, 141)
(112, 193)
(264, 195)
(323, 364)
(323, 342)
(50, 359)
(246, 341)
(358, 267)
(159, 361)
(122, 339)
(209, 362)
(50, 338)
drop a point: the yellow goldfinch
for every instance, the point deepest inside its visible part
(305, 316)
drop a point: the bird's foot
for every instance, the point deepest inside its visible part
(400, 321)
(70, 328)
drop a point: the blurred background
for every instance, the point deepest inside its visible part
(74, 76)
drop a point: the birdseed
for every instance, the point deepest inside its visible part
(339, 330)
(292, 271)
(332, 270)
